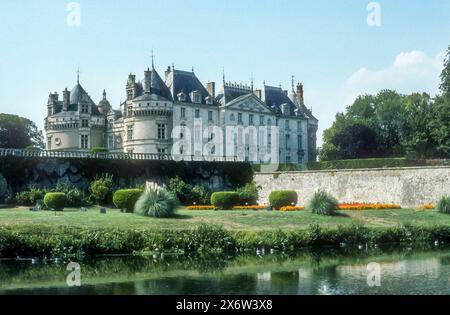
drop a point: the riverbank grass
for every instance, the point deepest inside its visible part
(235, 220)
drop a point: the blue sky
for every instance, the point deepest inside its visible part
(326, 44)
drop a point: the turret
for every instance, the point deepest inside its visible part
(104, 106)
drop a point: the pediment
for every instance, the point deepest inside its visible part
(249, 103)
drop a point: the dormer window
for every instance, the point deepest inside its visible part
(208, 100)
(196, 97)
(181, 97)
(84, 108)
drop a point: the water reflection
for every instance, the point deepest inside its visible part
(306, 273)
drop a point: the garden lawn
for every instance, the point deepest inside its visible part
(232, 220)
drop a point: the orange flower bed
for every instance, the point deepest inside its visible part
(427, 207)
(367, 206)
(256, 207)
(200, 207)
(292, 208)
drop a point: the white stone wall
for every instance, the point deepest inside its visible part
(409, 187)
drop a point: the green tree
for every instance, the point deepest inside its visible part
(445, 76)
(19, 133)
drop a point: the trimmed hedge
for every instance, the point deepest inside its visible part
(40, 241)
(125, 199)
(55, 200)
(225, 200)
(373, 163)
(282, 198)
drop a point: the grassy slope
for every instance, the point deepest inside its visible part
(233, 220)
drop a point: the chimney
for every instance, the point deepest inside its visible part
(168, 71)
(66, 98)
(211, 87)
(299, 94)
(258, 93)
(147, 81)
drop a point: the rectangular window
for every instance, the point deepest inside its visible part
(210, 115)
(197, 113)
(261, 120)
(84, 141)
(49, 143)
(111, 142)
(250, 119)
(286, 125)
(84, 123)
(161, 131)
(240, 118)
(84, 108)
(183, 112)
(299, 126)
(288, 142)
(161, 151)
(299, 142)
(130, 133)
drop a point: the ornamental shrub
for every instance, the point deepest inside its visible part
(157, 203)
(322, 203)
(282, 198)
(100, 187)
(30, 196)
(75, 196)
(248, 194)
(55, 200)
(188, 194)
(125, 199)
(225, 200)
(99, 150)
(443, 205)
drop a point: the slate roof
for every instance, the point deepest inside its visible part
(230, 93)
(183, 81)
(78, 94)
(158, 86)
(274, 97)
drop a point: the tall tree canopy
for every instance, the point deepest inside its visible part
(445, 76)
(393, 125)
(19, 133)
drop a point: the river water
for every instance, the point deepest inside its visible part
(341, 272)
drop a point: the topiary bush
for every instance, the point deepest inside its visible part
(100, 188)
(443, 205)
(282, 198)
(55, 200)
(225, 200)
(125, 199)
(157, 203)
(322, 203)
(248, 194)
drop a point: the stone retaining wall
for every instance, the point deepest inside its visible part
(409, 187)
